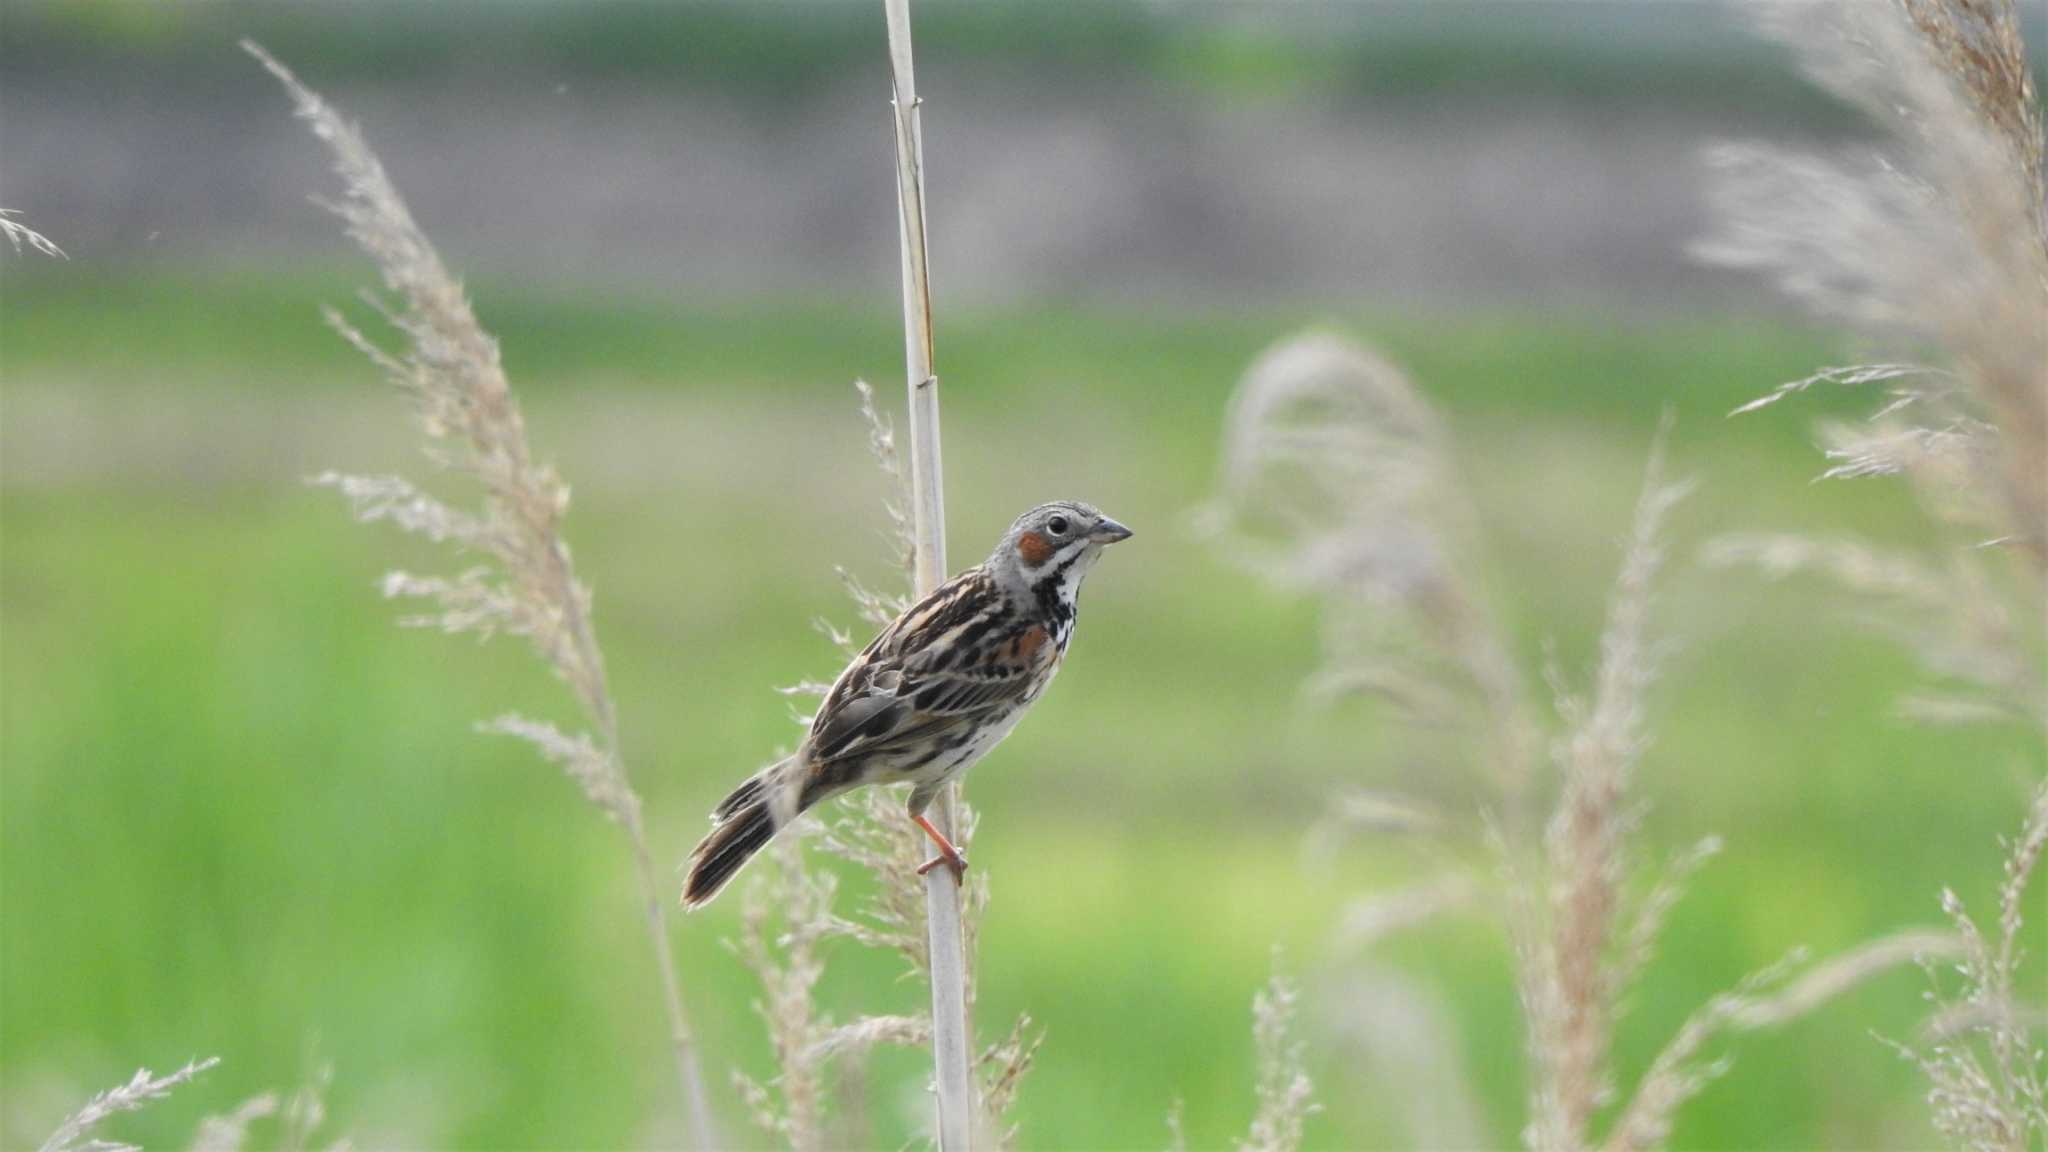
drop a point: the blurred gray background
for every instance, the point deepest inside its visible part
(1420, 152)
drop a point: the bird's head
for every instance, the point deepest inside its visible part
(1061, 540)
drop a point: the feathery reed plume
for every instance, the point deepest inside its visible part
(1286, 1094)
(1949, 610)
(524, 583)
(1986, 1073)
(1336, 479)
(813, 1052)
(305, 1111)
(1574, 979)
(19, 234)
(1397, 1044)
(297, 1119)
(892, 919)
(1282, 1088)
(138, 1093)
(1978, 43)
(229, 1131)
(787, 963)
(882, 610)
(1937, 241)
(787, 916)
(1332, 446)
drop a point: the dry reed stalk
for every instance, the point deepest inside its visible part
(952, 1036)
(139, 1092)
(525, 584)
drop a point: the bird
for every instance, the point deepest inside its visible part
(928, 697)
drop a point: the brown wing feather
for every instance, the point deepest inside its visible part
(955, 657)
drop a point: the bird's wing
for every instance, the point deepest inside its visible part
(950, 659)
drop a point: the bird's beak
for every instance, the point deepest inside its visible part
(1108, 531)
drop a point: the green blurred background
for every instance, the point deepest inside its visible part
(245, 815)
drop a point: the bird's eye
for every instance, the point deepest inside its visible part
(1058, 524)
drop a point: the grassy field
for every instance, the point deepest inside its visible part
(244, 815)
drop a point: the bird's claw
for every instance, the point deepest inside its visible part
(954, 861)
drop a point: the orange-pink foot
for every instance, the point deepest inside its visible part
(954, 861)
(948, 855)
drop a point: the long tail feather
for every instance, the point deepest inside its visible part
(745, 821)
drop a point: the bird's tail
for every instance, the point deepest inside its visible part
(742, 824)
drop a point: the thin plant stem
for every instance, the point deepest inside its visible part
(951, 1037)
(689, 1068)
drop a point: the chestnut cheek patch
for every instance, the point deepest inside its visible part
(1034, 549)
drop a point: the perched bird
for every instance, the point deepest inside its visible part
(930, 695)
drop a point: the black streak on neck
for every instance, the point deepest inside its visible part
(1056, 613)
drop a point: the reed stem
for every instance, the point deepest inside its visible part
(950, 1031)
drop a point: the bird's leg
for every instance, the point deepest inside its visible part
(948, 855)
